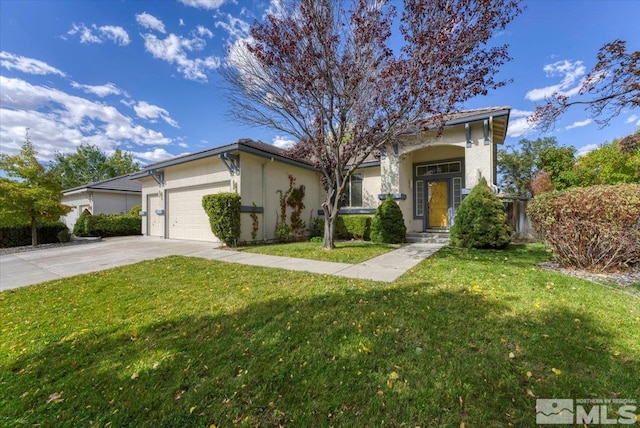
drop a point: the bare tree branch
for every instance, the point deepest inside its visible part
(613, 85)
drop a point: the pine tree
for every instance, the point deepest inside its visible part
(481, 221)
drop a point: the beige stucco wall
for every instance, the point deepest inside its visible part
(209, 171)
(257, 183)
(397, 172)
(97, 202)
(77, 202)
(261, 178)
(114, 203)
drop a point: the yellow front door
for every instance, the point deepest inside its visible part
(438, 204)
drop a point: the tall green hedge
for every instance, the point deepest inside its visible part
(106, 225)
(223, 210)
(388, 223)
(17, 236)
(481, 221)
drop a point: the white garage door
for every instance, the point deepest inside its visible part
(186, 217)
(155, 222)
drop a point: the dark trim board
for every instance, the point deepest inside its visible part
(396, 196)
(352, 211)
(251, 209)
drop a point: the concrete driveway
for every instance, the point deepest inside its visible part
(32, 267)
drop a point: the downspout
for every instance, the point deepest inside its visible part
(165, 216)
(264, 203)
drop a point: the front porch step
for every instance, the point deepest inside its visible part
(428, 237)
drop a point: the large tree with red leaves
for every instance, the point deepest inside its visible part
(611, 86)
(324, 72)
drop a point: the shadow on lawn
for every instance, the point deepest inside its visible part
(392, 356)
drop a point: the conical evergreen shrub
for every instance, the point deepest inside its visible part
(387, 225)
(481, 221)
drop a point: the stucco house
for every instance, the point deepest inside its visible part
(112, 196)
(428, 174)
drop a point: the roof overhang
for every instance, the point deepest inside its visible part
(497, 118)
(243, 146)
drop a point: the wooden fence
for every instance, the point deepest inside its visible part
(517, 216)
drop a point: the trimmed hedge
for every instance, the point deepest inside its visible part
(347, 227)
(387, 225)
(105, 225)
(595, 228)
(223, 210)
(17, 236)
(481, 221)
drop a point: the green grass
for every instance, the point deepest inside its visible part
(466, 336)
(345, 252)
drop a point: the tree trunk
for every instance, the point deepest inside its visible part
(34, 231)
(330, 220)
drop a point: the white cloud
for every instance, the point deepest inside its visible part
(60, 122)
(236, 27)
(518, 123)
(116, 34)
(572, 76)
(155, 155)
(275, 8)
(204, 4)
(174, 49)
(181, 22)
(86, 34)
(630, 119)
(183, 145)
(151, 22)
(283, 142)
(151, 112)
(579, 124)
(99, 90)
(586, 149)
(204, 31)
(27, 65)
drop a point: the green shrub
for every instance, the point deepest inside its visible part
(347, 227)
(481, 221)
(64, 236)
(16, 236)
(80, 228)
(316, 239)
(135, 210)
(105, 225)
(595, 228)
(358, 226)
(387, 225)
(223, 210)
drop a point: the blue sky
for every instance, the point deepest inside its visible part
(143, 75)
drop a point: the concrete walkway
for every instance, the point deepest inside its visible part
(32, 267)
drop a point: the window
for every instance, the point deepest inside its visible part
(438, 168)
(457, 192)
(353, 191)
(419, 188)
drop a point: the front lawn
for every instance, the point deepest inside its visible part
(345, 251)
(465, 336)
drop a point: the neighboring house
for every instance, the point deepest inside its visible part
(112, 196)
(428, 174)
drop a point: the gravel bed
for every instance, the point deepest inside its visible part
(628, 280)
